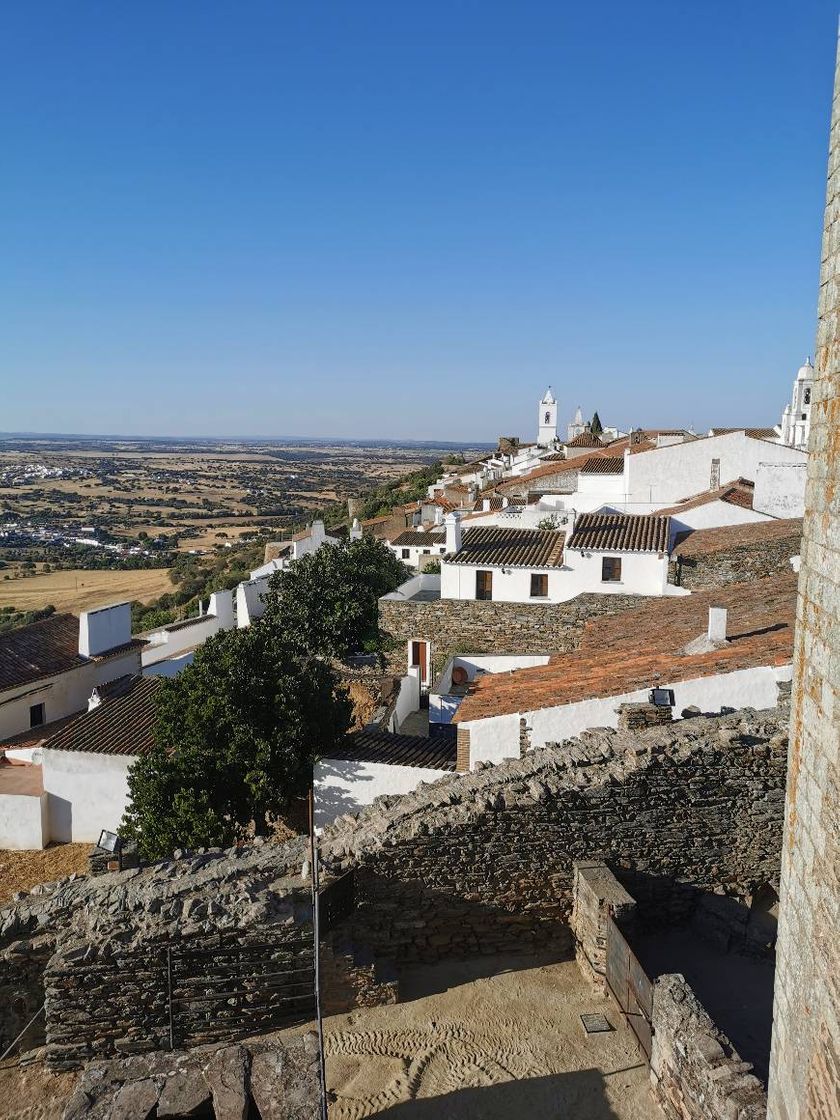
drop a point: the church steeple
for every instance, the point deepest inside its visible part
(547, 420)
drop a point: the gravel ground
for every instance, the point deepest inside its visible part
(20, 871)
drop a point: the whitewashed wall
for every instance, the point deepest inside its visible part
(714, 515)
(497, 737)
(167, 643)
(417, 553)
(408, 699)
(63, 694)
(668, 474)
(23, 821)
(780, 489)
(86, 793)
(249, 604)
(443, 706)
(346, 787)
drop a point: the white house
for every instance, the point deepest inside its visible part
(372, 763)
(731, 504)
(170, 648)
(413, 546)
(49, 668)
(249, 593)
(78, 776)
(462, 670)
(734, 656)
(612, 553)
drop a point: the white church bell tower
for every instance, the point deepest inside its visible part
(547, 420)
(796, 419)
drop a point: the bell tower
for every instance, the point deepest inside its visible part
(547, 421)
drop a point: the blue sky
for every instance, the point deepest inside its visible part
(403, 220)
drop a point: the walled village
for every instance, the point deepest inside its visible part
(554, 829)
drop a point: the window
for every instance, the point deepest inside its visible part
(442, 549)
(426, 551)
(714, 475)
(611, 569)
(807, 398)
(36, 715)
(484, 585)
(405, 553)
(547, 418)
(539, 586)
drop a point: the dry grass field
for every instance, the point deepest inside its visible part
(78, 589)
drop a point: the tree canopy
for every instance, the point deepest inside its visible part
(326, 602)
(596, 427)
(237, 734)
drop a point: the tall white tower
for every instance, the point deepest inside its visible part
(796, 419)
(547, 428)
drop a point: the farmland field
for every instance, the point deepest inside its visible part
(78, 589)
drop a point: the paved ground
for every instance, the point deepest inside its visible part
(495, 1038)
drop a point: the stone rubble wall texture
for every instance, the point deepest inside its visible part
(472, 626)
(735, 565)
(280, 1078)
(696, 1074)
(482, 862)
(805, 1058)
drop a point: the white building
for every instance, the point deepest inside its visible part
(170, 648)
(72, 784)
(606, 553)
(417, 547)
(372, 763)
(547, 420)
(795, 427)
(49, 668)
(249, 593)
(697, 657)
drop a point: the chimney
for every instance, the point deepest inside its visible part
(453, 532)
(438, 515)
(356, 530)
(717, 624)
(94, 700)
(472, 493)
(104, 629)
(317, 533)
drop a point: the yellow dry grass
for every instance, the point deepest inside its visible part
(80, 589)
(21, 871)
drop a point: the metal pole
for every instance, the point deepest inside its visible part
(11, 1046)
(169, 993)
(316, 932)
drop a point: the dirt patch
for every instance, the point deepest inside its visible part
(20, 871)
(32, 1092)
(493, 1038)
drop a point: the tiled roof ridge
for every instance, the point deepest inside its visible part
(122, 723)
(699, 542)
(621, 532)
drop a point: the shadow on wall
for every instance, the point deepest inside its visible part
(60, 816)
(581, 1095)
(333, 801)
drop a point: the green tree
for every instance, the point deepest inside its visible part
(327, 602)
(237, 734)
(596, 427)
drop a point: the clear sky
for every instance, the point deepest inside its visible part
(405, 219)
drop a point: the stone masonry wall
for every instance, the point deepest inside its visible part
(598, 896)
(734, 565)
(696, 1074)
(805, 1060)
(483, 862)
(470, 626)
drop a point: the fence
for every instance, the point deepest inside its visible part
(630, 986)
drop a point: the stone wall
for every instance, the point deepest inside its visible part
(598, 896)
(470, 626)
(740, 563)
(483, 862)
(696, 1074)
(805, 1062)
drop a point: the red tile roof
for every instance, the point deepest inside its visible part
(122, 723)
(701, 542)
(416, 537)
(41, 649)
(641, 648)
(496, 547)
(585, 439)
(621, 532)
(737, 493)
(594, 465)
(397, 750)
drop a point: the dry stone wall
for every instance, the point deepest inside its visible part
(483, 862)
(470, 626)
(740, 564)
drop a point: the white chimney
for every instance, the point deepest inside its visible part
(317, 533)
(94, 700)
(717, 624)
(453, 532)
(104, 629)
(438, 515)
(356, 530)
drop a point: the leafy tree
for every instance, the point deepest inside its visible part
(596, 427)
(237, 734)
(326, 602)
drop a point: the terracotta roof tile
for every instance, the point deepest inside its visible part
(738, 493)
(494, 546)
(612, 465)
(641, 648)
(585, 439)
(621, 532)
(701, 542)
(416, 537)
(122, 723)
(41, 649)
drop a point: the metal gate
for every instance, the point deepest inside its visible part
(337, 900)
(631, 987)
